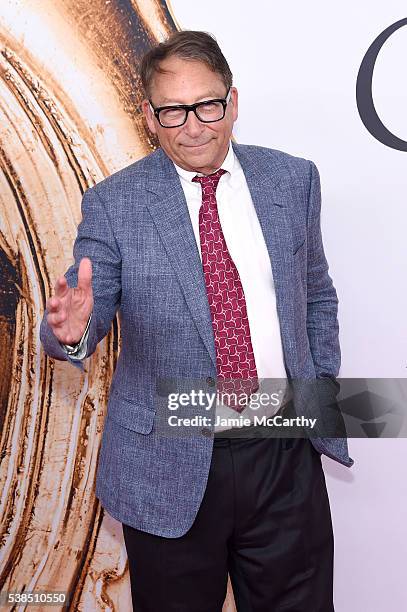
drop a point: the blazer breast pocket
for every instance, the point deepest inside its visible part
(298, 250)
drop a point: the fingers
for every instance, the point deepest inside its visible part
(85, 275)
(53, 304)
(61, 287)
(56, 312)
(56, 319)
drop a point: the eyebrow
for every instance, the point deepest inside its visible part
(211, 94)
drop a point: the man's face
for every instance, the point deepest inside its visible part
(195, 146)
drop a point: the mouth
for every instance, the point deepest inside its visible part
(195, 146)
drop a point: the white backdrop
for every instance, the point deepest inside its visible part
(295, 65)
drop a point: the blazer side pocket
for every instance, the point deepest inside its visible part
(130, 415)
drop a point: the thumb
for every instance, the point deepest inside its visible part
(85, 274)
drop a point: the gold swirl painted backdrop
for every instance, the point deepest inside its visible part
(69, 116)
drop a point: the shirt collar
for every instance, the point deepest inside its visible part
(228, 165)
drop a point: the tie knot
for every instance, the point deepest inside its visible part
(211, 180)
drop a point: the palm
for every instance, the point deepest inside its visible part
(69, 309)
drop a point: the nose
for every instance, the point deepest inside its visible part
(193, 127)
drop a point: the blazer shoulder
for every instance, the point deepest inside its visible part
(281, 161)
(129, 177)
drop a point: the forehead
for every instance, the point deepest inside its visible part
(182, 81)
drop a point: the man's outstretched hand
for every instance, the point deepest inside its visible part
(69, 308)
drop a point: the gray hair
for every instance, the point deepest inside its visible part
(190, 45)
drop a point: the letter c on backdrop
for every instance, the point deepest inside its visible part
(364, 95)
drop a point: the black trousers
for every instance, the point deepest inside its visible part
(264, 518)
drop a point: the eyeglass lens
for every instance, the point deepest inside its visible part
(207, 112)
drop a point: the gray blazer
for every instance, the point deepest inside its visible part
(137, 231)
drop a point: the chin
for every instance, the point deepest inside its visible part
(201, 165)
(197, 161)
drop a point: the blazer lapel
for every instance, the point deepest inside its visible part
(272, 206)
(168, 208)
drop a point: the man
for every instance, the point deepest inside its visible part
(212, 253)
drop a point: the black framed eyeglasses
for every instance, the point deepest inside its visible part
(207, 111)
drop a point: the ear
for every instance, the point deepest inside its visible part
(148, 113)
(234, 101)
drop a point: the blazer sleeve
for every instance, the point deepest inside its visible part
(322, 300)
(95, 239)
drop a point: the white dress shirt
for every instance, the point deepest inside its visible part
(246, 245)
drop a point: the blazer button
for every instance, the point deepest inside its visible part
(210, 381)
(205, 431)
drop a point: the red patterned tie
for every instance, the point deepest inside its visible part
(236, 366)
